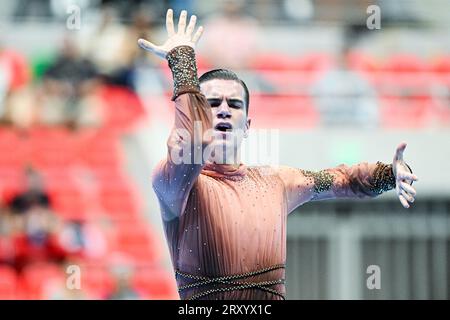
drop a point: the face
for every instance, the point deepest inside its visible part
(230, 121)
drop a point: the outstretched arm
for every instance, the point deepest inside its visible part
(175, 175)
(362, 180)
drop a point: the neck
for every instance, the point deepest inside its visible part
(230, 156)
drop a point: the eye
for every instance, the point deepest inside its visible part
(214, 102)
(236, 104)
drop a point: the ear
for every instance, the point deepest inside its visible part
(247, 127)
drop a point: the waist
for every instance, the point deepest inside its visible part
(205, 286)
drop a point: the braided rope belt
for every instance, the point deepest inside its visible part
(235, 285)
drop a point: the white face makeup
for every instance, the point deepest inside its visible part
(230, 122)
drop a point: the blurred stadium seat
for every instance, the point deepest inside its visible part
(8, 283)
(36, 277)
(155, 284)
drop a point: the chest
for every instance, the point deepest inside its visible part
(255, 207)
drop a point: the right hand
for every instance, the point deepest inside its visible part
(183, 37)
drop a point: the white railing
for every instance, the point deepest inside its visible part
(329, 253)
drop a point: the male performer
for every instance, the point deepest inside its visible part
(225, 223)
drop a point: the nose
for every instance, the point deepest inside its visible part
(223, 111)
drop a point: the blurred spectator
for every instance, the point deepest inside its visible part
(39, 242)
(104, 45)
(299, 10)
(141, 27)
(68, 91)
(83, 239)
(34, 196)
(231, 37)
(34, 234)
(5, 233)
(31, 9)
(123, 288)
(14, 74)
(113, 48)
(20, 108)
(344, 98)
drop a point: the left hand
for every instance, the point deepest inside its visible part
(403, 178)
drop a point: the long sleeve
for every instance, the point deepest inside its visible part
(362, 180)
(175, 175)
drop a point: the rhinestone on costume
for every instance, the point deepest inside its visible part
(323, 180)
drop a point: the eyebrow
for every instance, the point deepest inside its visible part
(219, 97)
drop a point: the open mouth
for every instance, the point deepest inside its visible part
(223, 127)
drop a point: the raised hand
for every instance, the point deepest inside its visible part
(405, 192)
(183, 36)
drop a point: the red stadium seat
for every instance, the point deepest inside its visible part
(441, 67)
(68, 203)
(137, 242)
(397, 112)
(155, 284)
(50, 147)
(273, 61)
(279, 61)
(13, 149)
(97, 149)
(403, 70)
(405, 63)
(37, 279)
(8, 283)
(291, 74)
(119, 201)
(313, 62)
(271, 111)
(122, 107)
(96, 281)
(361, 61)
(11, 183)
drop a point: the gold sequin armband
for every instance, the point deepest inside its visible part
(383, 178)
(323, 180)
(181, 61)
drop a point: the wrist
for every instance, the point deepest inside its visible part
(383, 178)
(181, 60)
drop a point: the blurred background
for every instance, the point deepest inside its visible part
(85, 115)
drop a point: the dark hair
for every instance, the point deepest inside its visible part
(224, 74)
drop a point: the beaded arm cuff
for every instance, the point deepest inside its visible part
(182, 63)
(383, 178)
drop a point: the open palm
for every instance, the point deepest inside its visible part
(183, 36)
(405, 192)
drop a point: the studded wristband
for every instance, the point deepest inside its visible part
(383, 178)
(182, 63)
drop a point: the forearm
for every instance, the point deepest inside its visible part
(193, 118)
(364, 180)
(361, 180)
(174, 177)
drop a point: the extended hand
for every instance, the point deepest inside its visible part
(405, 191)
(183, 37)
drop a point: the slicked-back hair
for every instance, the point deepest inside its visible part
(224, 74)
